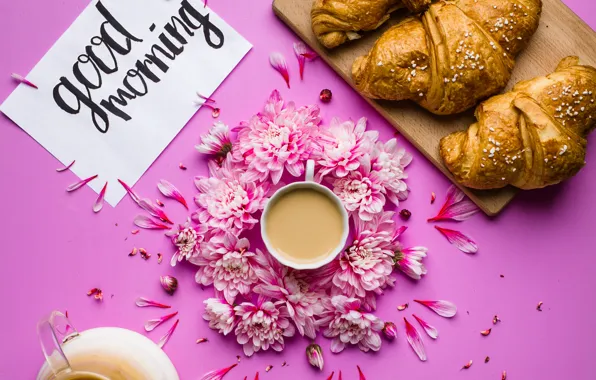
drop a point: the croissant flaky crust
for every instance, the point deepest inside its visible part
(337, 21)
(456, 54)
(531, 137)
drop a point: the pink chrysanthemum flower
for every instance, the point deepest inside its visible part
(342, 145)
(409, 261)
(277, 139)
(220, 315)
(188, 240)
(262, 326)
(216, 142)
(347, 323)
(226, 202)
(360, 191)
(287, 285)
(226, 263)
(389, 163)
(364, 268)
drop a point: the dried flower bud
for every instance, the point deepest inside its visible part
(390, 330)
(314, 354)
(326, 95)
(169, 283)
(405, 214)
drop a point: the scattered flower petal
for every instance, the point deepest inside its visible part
(159, 258)
(413, 337)
(169, 283)
(144, 254)
(164, 339)
(155, 211)
(539, 306)
(98, 205)
(403, 307)
(496, 319)
(462, 242)
(134, 232)
(504, 375)
(457, 206)
(133, 195)
(133, 252)
(339, 377)
(331, 376)
(443, 308)
(170, 191)
(302, 54)
(65, 168)
(96, 293)
(202, 340)
(325, 95)
(314, 354)
(269, 367)
(206, 98)
(433, 197)
(390, 330)
(467, 365)
(215, 112)
(144, 302)
(151, 324)
(360, 373)
(485, 332)
(487, 359)
(21, 79)
(278, 62)
(181, 166)
(144, 221)
(160, 203)
(430, 330)
(405, 214)
(284, 364)
(81, 183)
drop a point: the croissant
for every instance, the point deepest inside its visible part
(531, 137)
(337, 21)
(457, 53)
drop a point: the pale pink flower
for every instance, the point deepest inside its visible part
(226, 202)
(277, 139)
(220, 315)
(364, 268)
(347, 323)
(389, 163)
(262, 326)
(360, 191)
(188, 239)
(342, 145)
(409, 261)
(226, 262)
(216, 142)
(290, 286)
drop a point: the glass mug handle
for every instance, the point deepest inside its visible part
(310, 171)
(53, 332)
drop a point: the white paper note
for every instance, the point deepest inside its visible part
(155, 54)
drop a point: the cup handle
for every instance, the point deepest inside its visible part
(310, 171)
(53, 332)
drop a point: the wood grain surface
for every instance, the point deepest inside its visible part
(561, 33)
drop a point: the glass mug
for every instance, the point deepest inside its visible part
(104, 353)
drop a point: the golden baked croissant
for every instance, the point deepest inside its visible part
(456, 54)
(531, 137)
(337, 21)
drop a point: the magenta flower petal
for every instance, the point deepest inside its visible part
(151, 324)
(360, 374)
(430, 330)
(65, 168)
(302, 54)
(135, 197)
(219, 374)
(23, 80)
(144, 302)
(413, 337)
(81, 183)
(99, 202)
(278, 62)
(457, 207)
(144, 221)
(164, 339)
(443, 308)
(170, 191)
(154, 210)
(461, 241)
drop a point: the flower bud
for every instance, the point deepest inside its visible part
(315, 356)
(390, 330)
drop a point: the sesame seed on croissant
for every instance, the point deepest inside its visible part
(531, 137)
(337, 21)
(456, 54)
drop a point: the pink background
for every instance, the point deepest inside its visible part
(54, 248)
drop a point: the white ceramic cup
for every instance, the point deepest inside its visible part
(308, 183)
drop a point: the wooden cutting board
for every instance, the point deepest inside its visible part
(561, 33)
